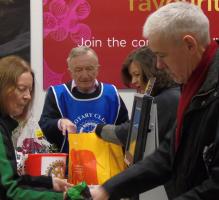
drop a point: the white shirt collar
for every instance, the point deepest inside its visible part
(73, 85)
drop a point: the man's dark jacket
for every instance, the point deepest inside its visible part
(194, 168)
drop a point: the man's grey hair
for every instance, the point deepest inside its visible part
(175, 19)
(78, 51)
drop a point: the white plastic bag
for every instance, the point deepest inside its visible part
(28, 138)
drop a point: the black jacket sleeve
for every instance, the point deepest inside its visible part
(123, 113)
(49, 120)
(36, 181)
(153, 171)
(167, 103)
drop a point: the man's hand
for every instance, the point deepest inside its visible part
(60, 185)
(98, 193)
(67, 126)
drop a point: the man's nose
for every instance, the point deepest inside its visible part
(84, 73)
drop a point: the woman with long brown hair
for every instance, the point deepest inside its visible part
(16, 91)
(137, 69)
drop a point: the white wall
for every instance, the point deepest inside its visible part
(37, 60)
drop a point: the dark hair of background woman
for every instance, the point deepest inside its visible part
(147, 61)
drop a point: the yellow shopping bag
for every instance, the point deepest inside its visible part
(92, 159)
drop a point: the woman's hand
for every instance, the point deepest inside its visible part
(99, 193)
(60, 185)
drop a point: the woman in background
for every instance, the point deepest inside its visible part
(16, 90)
(138, 68)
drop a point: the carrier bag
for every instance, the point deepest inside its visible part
(92, 159)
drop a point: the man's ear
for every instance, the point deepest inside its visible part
(190, 43)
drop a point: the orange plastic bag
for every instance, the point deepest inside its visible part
(93, 160)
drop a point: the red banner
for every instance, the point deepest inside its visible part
(111, 28)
